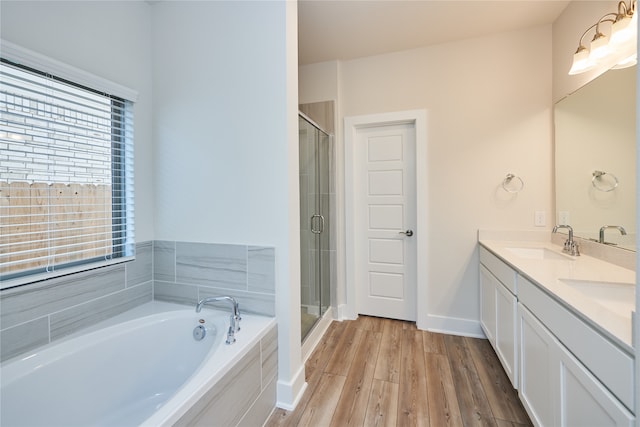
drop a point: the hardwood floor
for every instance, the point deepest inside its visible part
(383, 372)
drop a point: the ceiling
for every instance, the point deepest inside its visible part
(347, 29)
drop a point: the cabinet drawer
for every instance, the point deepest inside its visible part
(498, 268)
(611, 365)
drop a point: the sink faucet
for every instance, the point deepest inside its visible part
(570, 246)
(235, 318)
(604, 227)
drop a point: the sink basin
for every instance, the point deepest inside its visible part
(538, 253)
(615, 296)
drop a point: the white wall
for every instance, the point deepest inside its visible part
(319, 82)
(218, 120)
(109, 39)
(488, 102)
(226, 148)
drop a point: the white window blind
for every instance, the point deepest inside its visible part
(66, 175)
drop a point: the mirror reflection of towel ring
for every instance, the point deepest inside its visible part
(600, 186)
(512, 183)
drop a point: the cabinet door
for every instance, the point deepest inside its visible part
(538, 372)
(488, 285)
(584, 401)
(506, 339)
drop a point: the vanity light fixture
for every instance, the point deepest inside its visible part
(618, 50)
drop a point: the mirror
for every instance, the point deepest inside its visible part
(595, 158)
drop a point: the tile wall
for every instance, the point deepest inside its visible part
(39, 313)
(185, 272)
(36, 314)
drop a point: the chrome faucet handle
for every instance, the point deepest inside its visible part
(237, 314)
(235, 323)
(574, 249)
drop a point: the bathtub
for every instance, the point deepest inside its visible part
(144, 368)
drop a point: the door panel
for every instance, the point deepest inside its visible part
(386, 217)
(386, 251)
(385, 148)
(385, 183)
(385, 208)
(386, 285)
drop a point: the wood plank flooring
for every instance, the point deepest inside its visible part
(382, 373)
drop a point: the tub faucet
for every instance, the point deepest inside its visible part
(604, 227)
(570, 246)
(235, 318)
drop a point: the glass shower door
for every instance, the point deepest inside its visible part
(314, 222)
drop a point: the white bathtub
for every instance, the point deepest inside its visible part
(143, 367)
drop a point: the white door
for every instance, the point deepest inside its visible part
(385, 221)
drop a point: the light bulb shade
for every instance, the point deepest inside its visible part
(622, 31)
(626, 53)
(599, 47)
(580, 61)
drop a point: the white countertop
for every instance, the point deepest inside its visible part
(612, 318)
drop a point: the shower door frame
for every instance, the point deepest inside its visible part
(317, 221)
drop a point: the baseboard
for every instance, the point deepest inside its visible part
(345, 313)
(290, 393)
(453, 326)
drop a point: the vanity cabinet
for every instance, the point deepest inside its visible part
(567, 370)
(498, 309)
(556, 388)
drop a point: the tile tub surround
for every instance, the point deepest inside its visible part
(184, 272)
(36, 314)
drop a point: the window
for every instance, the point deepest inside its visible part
(66, 176)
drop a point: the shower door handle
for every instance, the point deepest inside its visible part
(314, 230)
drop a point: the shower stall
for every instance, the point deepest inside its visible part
(317, 242)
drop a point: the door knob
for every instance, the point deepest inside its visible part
(408, 233)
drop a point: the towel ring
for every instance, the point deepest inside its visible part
(597, 176)
(512, 189)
